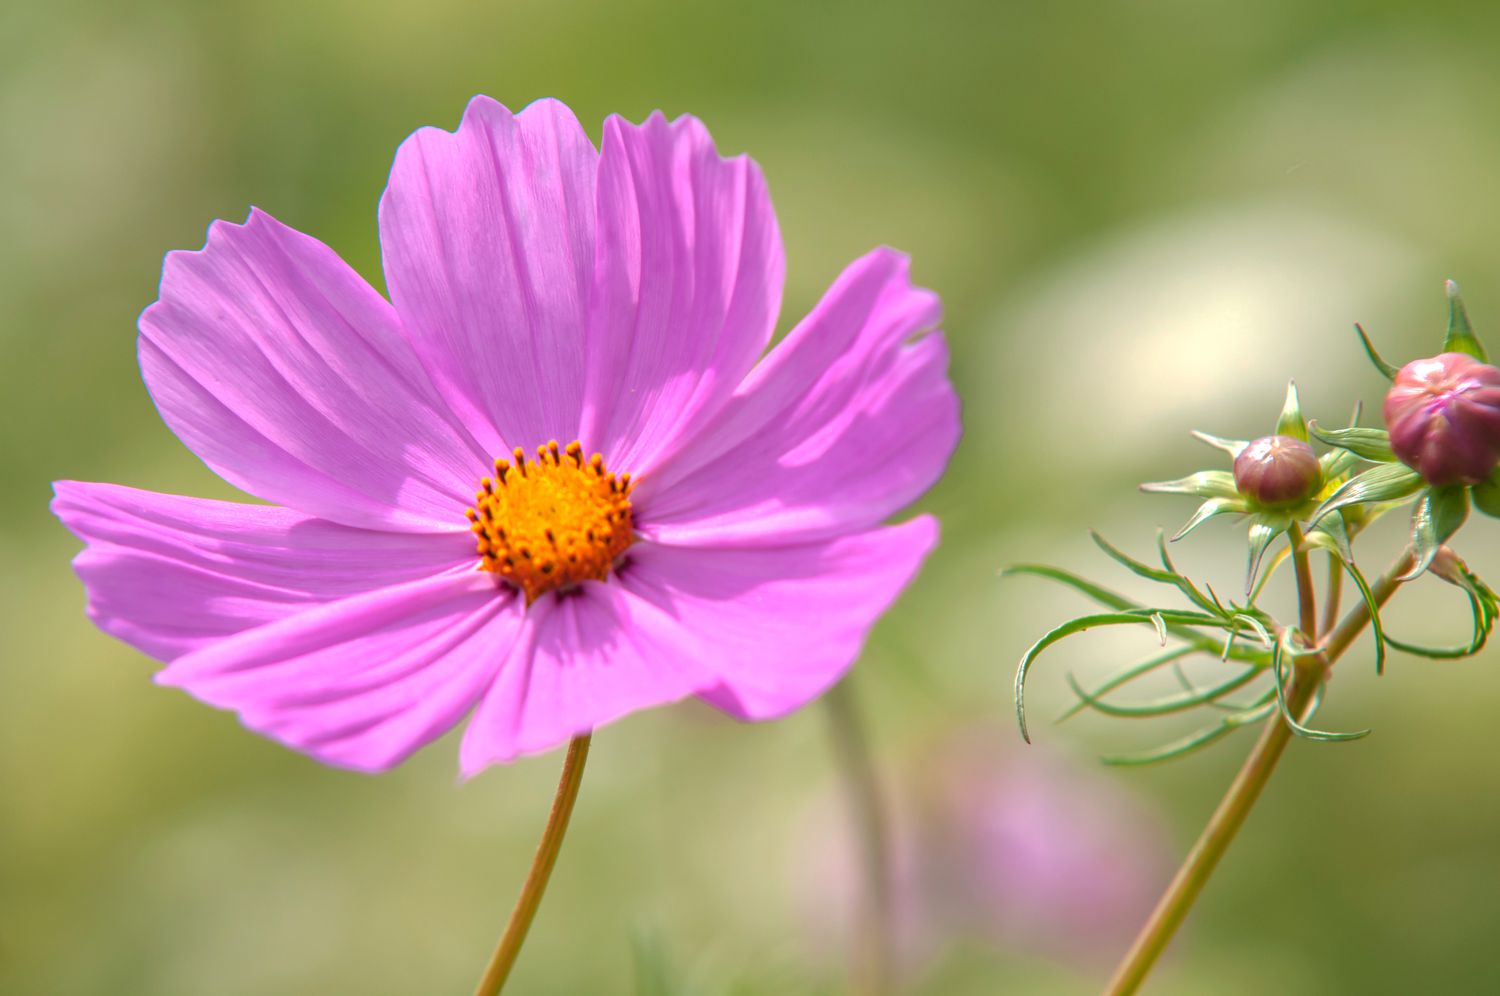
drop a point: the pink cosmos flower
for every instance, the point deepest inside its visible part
(540, 291)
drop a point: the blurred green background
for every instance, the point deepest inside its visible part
(1143, 218)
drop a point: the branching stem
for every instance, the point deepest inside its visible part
(1230, 815)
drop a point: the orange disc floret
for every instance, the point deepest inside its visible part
(554, 522)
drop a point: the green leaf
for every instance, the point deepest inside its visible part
(1130, 673)
(1306, 732)
(1369, 444)
(1113, 600)
(1438, 515)
(1484, 622)
(1169, 704)
(1078, 583)
(1149, 617)
(1460, 337)
(1067, 629)
(1255, 624)
(1291, 423)
(1208, 603)
(1204, 484)
(1386, 482)
(1388, 371)
(1167, 576)
(1194, 741)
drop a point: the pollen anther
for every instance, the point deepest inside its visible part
(551, 523)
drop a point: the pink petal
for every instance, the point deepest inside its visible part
(170, 575)
(777, 625)
(847, 420)
(363, 682)
(289, 376)
(488, 238)
(586, 658)
(687, 286)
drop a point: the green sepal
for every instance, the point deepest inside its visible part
(1277, 559)
(1261, 535)
(1386, 370)
(1386, 482)
(1367, 444)
(1486, 495)
(1438, 515)
(1234, 447)
(1461, 337)
(1206, 511)
(1332, 535)
(1337, 463)
(1203, 484)
(1291, 423)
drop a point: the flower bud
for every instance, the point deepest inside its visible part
(1443, 414)
(1275, 471)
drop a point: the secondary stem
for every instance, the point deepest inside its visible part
(530, 898)
(872, 959)
(1335, 592)
(1307, 602)
(1246, 787)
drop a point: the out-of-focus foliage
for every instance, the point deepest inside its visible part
(1142, 217)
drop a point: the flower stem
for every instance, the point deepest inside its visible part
(872, 957)
(530, 898)
(1246, 787)
(1307, 602)
(1335, 592)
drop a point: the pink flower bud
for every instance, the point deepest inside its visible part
(1275, 471)
(1443, 414)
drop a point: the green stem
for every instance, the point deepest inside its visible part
(1335, 592)
(530, 898)
(872, 954)
(1307, 602)
(1230, 815)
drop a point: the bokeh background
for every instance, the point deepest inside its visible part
(1143, 218)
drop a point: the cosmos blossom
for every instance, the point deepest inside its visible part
(550, 481)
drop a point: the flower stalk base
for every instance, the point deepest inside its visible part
(1308, 677)
(509, 947)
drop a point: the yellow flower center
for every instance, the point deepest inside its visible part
(553, 523)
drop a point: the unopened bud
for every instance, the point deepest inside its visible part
(1276, 471)
(1443, 414)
